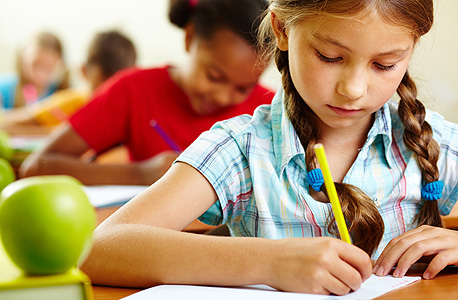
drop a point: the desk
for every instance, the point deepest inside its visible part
(451, 221)
(443, 287)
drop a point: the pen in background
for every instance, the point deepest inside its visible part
(164, 136)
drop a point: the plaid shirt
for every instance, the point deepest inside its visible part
(257, 167)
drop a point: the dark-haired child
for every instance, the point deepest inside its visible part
(219, 80)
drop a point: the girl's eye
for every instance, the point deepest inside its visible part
(243, 90)
(327, 59)
(383, 67)
(213, 78)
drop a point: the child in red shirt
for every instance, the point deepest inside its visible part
(218, 82)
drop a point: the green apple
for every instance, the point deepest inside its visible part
(46, 223)
(6, 151)
(7, 174)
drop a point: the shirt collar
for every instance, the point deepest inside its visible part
(382, 127)
(287, 145)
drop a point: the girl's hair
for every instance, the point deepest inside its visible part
(47, 41)
(416, 15)
(111, 51)
(209, 16)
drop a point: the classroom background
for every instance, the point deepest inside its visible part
(434, 65)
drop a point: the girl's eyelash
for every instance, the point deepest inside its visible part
(212, 77)
(385, 68)
(327, 59)
(337, 59)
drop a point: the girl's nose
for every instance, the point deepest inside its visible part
(353, 84)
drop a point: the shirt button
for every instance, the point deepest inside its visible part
(238, 219)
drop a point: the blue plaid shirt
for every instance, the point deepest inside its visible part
(257, 167)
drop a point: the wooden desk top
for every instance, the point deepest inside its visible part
(451, 221)
(443, 287)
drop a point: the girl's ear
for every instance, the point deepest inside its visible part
(189, 36)
(280, 32)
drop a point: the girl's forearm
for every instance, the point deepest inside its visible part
(88, 173)
(135, 255)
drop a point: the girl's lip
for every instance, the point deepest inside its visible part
(344, 112)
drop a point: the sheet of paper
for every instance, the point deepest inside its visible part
(27, 143)
(371, 288)
(112, 195)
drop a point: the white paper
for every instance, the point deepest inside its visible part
(371, 288)
(112, 195)
(27, 143)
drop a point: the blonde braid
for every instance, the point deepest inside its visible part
(418, 136)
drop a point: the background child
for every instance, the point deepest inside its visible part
(217, 82)
(108, 53)
(341, 62)
(40, 72)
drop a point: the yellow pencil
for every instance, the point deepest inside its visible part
(332, 193)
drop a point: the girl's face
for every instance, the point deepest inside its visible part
(40, 67)
(346, 69)
(221, 72)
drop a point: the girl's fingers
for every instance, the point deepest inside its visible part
(329, 266)
(423, 241)
(390, 246)
(440, 261)
(335, 286)
(351, 269)
(415, 252)
(398, 246)
(356, 259)
(347, 275)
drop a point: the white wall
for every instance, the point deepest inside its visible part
(434, 66)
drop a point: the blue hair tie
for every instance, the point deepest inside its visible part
(315, 179)
(432, 191)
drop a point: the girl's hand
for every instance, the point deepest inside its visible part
(319, 265)
(410, 246)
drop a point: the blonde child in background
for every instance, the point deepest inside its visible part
(109, 52)
(40, 72)
(394, 165)
(157, 112)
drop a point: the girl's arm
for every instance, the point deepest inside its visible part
(406, 249)
(141, 245)
(63, 155)
(20, 121)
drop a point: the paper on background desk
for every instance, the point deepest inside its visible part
(27, 143)
(371, 288)
(112, 195)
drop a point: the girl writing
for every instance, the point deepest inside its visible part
(394, 165)
(219, 80)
